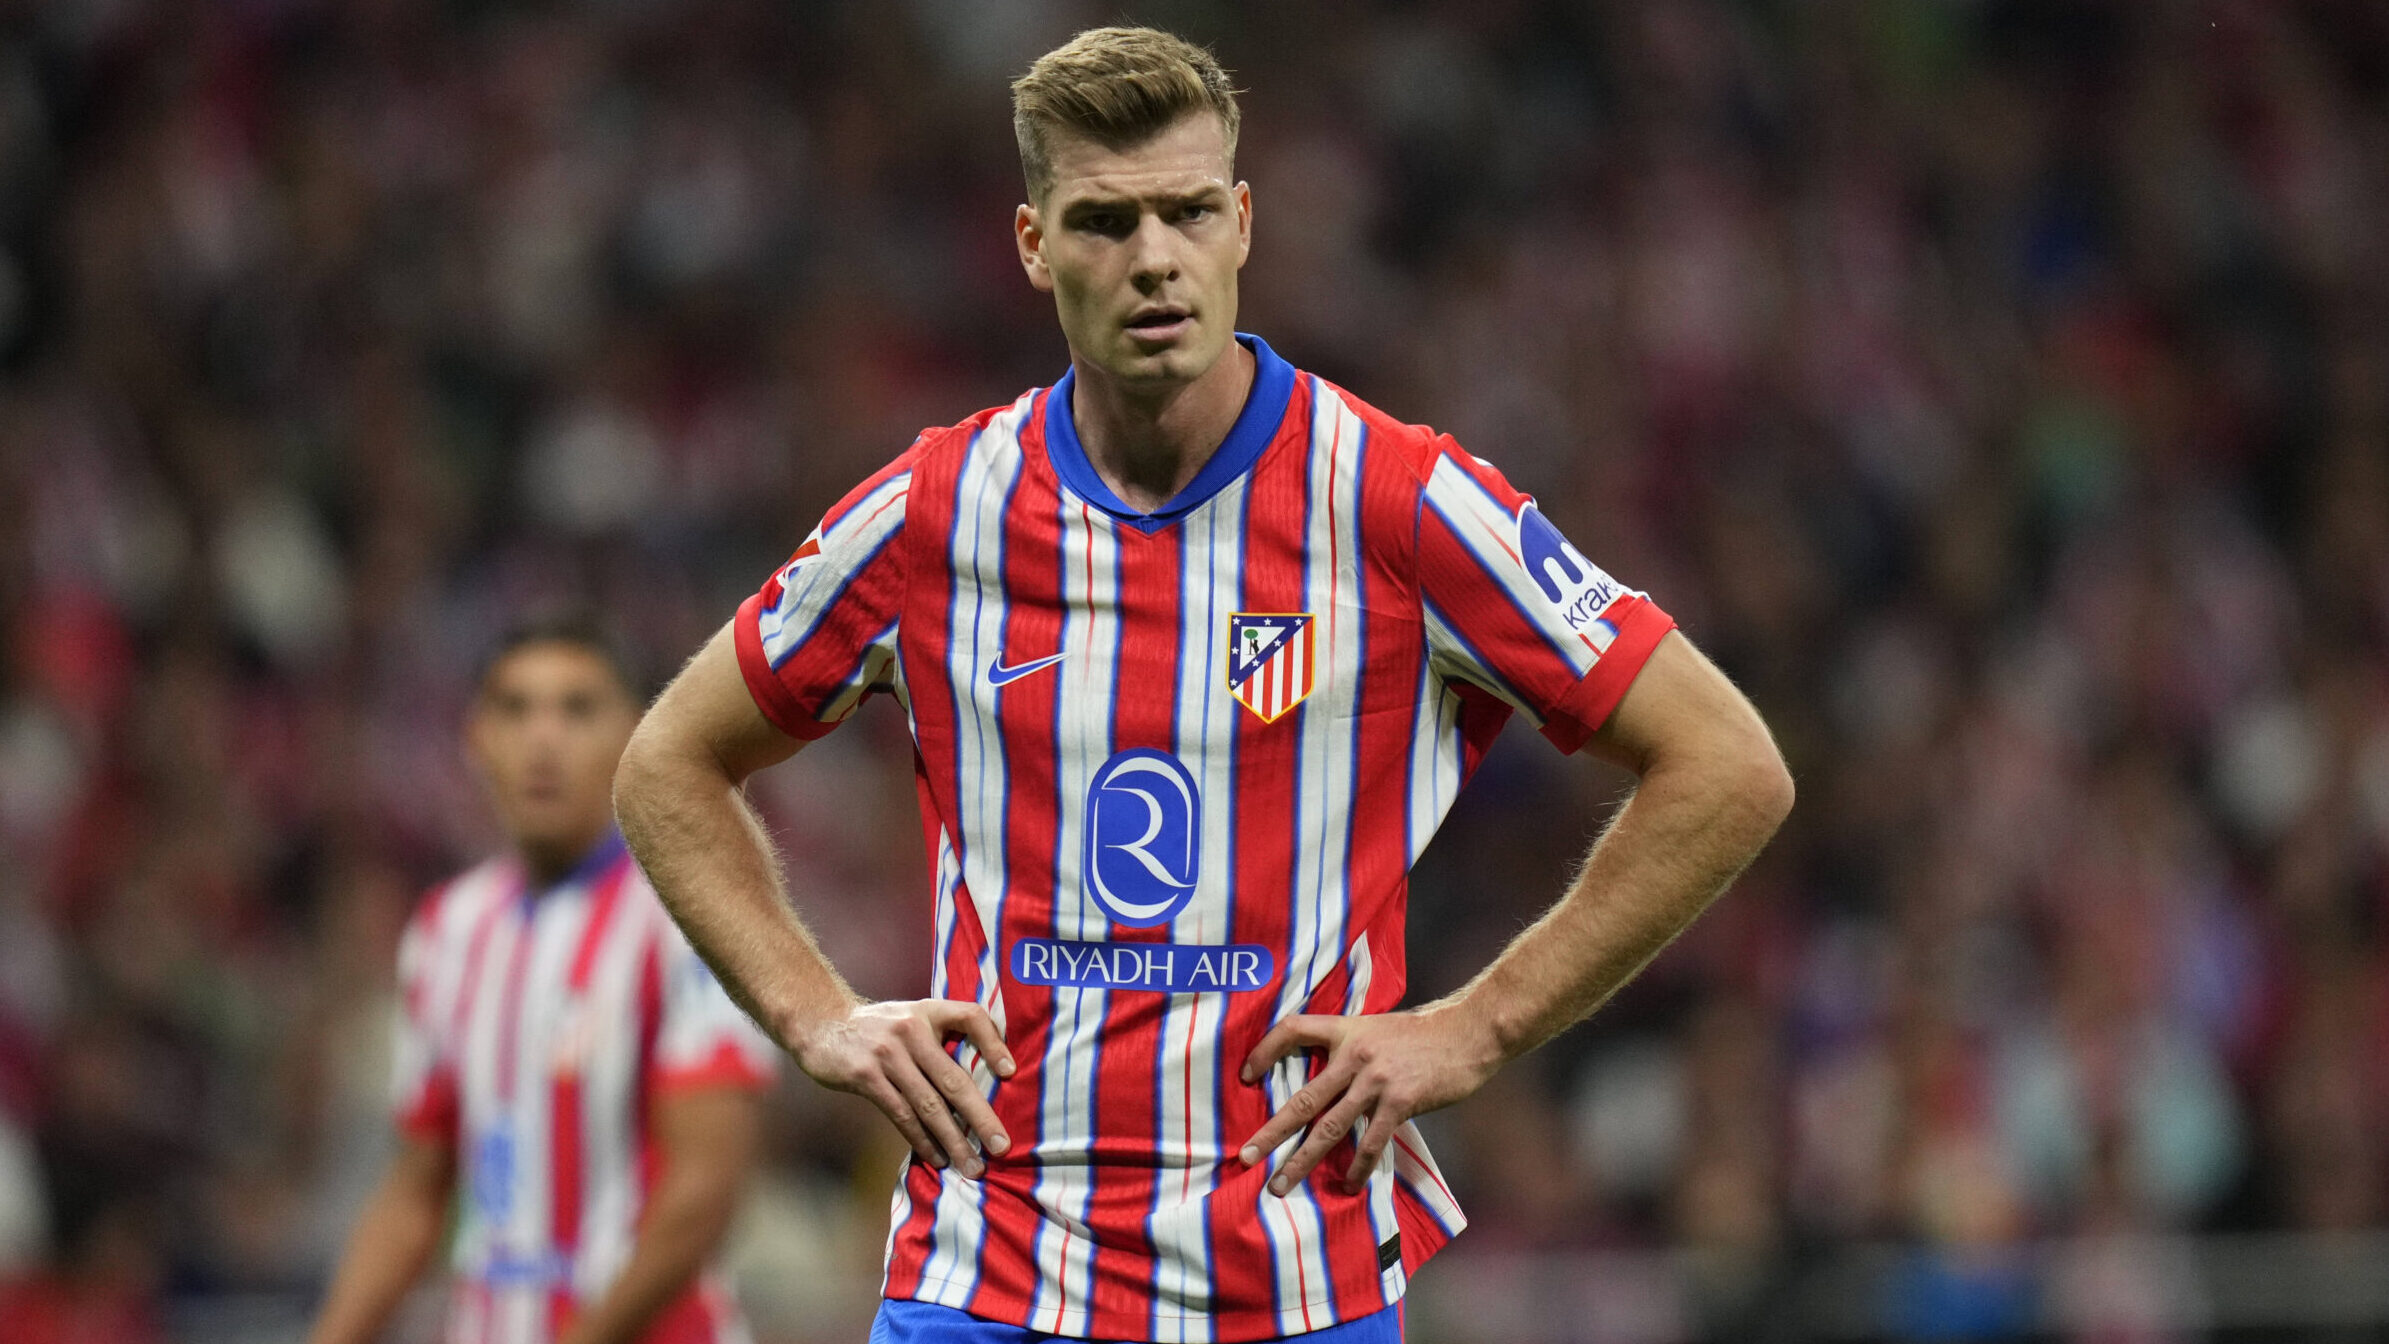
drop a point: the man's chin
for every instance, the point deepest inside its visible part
(1139, 364)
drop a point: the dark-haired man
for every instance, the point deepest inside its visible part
(572, 1084)
(1197, 651)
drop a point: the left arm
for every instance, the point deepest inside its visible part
(1713, 789)
(708, 1136)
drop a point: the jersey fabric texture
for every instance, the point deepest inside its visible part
(1173, 771)
(536, 1028)
(909, 1322)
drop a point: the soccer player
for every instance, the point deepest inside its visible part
(1197, 650)
(573, 1086)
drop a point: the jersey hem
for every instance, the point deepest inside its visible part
(1252, 1325)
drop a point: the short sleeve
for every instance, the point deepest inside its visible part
(1511, 606)
(423, 1068)
(703, 1039)
(821, 634)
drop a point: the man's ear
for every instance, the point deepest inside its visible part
(1028, 235)
(1244, 223)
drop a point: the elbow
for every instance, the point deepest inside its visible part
(638, 776)
(1760, 783)
(1771, 789)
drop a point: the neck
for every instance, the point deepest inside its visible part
(1146, 444)
(549, 861)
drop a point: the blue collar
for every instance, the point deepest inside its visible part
(603, 855)
(1256, 426)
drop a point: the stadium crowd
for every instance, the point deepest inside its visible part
(1998, 388)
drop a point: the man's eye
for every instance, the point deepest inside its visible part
(1195, 212)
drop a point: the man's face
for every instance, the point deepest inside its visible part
(1140, 249)
(546, 732)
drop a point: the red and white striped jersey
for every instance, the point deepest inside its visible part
(1173, 771)
(535, 1030)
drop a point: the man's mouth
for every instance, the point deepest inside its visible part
(1158, 323)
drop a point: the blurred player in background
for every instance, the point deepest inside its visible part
(1197, 651)
(572, 1085)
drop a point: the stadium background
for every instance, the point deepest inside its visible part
(2000, 390)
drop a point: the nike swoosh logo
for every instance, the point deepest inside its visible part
(1000, 675)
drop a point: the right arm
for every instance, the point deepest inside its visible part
(400, 1228)
(678, 796)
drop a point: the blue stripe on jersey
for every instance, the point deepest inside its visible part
(1256, 426)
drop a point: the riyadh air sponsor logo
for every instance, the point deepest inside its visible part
(1000, 675)
(1162, 968)
(1574, 586)
(1269, 660)
(1144, 820)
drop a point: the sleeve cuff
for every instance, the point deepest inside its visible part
(770, 696)
(1587, 705)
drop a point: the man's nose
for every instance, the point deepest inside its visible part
(1155, 258)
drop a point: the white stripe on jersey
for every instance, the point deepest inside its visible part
(1383, 1224)
(952, 1270)
(1435, 758)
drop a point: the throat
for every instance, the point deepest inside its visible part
(1149, 449)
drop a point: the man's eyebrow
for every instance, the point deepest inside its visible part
(1079, 205)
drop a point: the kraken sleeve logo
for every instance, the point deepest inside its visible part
(1574, 586)
(1144, 824)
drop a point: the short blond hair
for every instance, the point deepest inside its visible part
(1118, 87)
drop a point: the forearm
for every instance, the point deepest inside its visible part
(685, 1221)
(393, 1240)
(716, 871)
(1689, 830)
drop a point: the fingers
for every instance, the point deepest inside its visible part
(1373, 1141)
(974, 1025)
(883, 1094)
(958, 1092)
(935, 1115)
(1307, 1032)
(1299, 1110)
(1329, 1131)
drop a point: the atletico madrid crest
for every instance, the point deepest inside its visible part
(1269, 660)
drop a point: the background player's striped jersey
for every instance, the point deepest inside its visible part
(1174, 769)
(536, 1028)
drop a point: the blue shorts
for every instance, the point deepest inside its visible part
(903, 1322)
